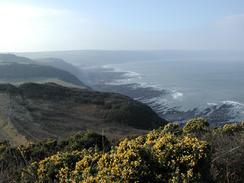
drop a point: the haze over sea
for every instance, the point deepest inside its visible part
(208, 83)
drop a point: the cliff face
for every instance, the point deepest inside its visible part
(36, 111)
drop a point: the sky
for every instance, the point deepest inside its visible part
(44, 25)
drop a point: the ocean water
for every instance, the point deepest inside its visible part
(190, 84)
(208, 83)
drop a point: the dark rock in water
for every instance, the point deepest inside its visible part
(218, 114)
(214, 114)
(132, 90)
(49, 110)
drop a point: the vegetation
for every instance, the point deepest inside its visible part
(167, 154)
(196, 126)
(58, 111)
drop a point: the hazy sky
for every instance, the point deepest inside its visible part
(41, 25)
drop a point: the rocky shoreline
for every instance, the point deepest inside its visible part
(151, 96)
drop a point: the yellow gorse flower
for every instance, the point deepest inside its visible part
(156, 157)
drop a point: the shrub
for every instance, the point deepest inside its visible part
(130, 162)
(13, 159)
(86, 169)
(162, 155)
(196, 126)
(87, 140)
(227, 154)
(155, 157)
(172, 128)
(233, 128)
(48, 170)
(181, 158)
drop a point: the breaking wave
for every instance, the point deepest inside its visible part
(177, 95)
(163, 103)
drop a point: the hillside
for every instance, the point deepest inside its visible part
(11, 58)
(61, 64)
(36, 111)
(17, 70)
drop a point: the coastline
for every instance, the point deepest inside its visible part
(119, 81)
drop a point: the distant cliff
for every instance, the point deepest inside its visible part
(17, 70)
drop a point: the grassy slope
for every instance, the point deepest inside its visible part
(49, 110)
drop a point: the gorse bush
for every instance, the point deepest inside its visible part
(48, 170)
(196, 126)
(233, 128)
(80, 141)
(156, 157)
(129, 162)
(228, 153)
(13, 159)
(194, 153)
(172, 128)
